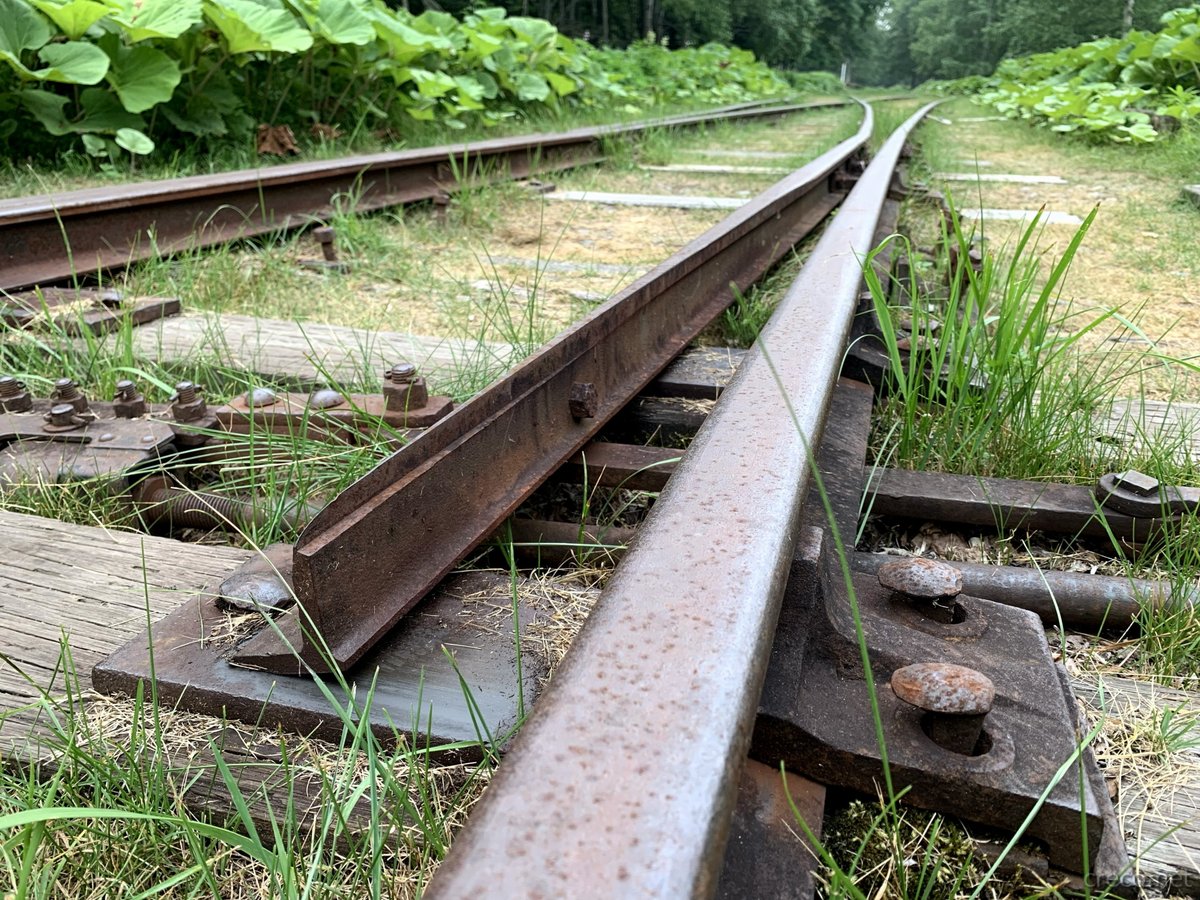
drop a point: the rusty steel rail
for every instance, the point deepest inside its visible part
(385, 541)
(622, 782)
(52, 237)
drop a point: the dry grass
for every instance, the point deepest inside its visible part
(1140, 255)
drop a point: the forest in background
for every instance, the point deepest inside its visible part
(884, 42)
(801, 35)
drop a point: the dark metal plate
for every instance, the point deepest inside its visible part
(415, 687)
(767, 854)
(815, 718)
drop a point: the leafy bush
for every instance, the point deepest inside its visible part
(650, 74)
(1128, 89)
(136, 74)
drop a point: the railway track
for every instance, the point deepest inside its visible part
(707, 634)
(77, 234)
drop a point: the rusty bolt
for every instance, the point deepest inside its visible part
(584, 400)
(402, 373)
(325, 237)
(13, 395)
(403, 388)
(188, 405)
(128, 403)
(919, 578)
(62, 416)
(929, 584)
(67, 391)
(957, 700)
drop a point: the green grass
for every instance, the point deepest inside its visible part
(120, 809)
(999, 380)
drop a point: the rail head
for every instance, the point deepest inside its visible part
(88, 201)
(622, 782)
(387, 539)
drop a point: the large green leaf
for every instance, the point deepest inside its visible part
(134, 141)
(145, 19)
(337, 21)
(263, 27)
(531, 87)
(432, 84)
(143, 77)
(48, 108)
(1187, 49)
(536, 31)
(73, 62)
(20, 29)
(561, 83)
(102, 111)
(73, 17)
(214, 110)
(404, 43)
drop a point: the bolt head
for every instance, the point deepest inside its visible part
(260, 396)
(324, 234)
(944, 688)
(325, 398)
(925, 579)
(584, 400)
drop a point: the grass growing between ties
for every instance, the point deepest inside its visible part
(995, 374)
(121, 808)
(133, 798)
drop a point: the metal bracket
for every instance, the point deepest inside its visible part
(326, 414)
(1144, 496)
(76, 310)
(39, 450)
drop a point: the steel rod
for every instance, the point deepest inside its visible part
(1080, 600)
(623, 781)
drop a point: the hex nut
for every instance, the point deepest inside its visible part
(128, 403)
(14, 396)
(189, 405)
(921, 579)
(584, 400)
(944, 688)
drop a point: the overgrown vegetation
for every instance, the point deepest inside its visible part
(1130, 89)
(114, 76)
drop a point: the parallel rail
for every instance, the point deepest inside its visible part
(53, 237)
(385, 541)
(674, 654)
